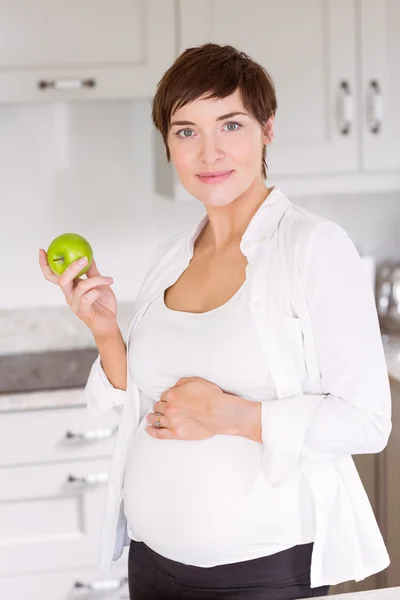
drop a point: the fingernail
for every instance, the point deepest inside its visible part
(110, 279)
(82, 261)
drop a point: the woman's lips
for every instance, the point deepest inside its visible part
(215, 178)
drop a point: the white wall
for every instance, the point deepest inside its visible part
(87, 168)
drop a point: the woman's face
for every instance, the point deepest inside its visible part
(216, 148)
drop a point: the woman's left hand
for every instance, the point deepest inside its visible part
(193, 409)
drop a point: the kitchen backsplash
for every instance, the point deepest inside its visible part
(88, 168)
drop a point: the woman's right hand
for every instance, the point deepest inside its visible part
(92, 299)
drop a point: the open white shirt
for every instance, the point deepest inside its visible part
(314, 311)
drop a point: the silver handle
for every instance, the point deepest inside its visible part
(66, 84)
(91, 435)
(105, 585)
(375, 107)
(93, 479)
(346, 109)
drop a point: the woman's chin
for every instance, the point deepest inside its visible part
(216, 197)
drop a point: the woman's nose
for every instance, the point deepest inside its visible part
(210, 151)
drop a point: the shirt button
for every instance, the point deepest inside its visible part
(257, 305)
(263, 239)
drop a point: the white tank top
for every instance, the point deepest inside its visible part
(206, 502)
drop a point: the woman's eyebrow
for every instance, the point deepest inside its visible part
(221, 118)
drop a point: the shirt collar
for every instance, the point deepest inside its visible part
(262, 225)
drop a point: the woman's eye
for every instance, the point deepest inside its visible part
(184, 131)
(232, 125)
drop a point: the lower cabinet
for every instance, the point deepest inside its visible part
(390, 484)
(50, 515)
(54, 469)
(73, 584)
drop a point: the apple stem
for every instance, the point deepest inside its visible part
(57, 259)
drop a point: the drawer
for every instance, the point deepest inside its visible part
(51, 516)
(76, 584)
(52, 435)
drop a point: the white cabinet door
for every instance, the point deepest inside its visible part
(77, 584)
(83, 49)
(309, 50)
(380, 57)
(51, 515)
(63, 434)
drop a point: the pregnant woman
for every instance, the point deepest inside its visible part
(253, 370)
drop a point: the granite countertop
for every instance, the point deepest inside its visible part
(46, 355)
(383, 594)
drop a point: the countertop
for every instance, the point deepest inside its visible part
(39, 400)
(383, 594)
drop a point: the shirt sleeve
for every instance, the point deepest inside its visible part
(100, 395)
(353, 414)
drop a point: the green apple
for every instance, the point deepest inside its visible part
(67, 248)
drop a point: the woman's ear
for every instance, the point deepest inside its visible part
(268, 130)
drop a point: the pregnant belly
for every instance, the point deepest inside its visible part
(186, 498)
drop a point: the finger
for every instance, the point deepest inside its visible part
(163, 396)
(183, 380)
(66, 280)
(92, 270)
(88, 299)
(44, 266)
(159, 407)
(152, 419)
(161, 434)
(85, 285)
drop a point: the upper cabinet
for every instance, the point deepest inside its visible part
(308, 48)
(335, 65)
(380, 84)
(54, 50)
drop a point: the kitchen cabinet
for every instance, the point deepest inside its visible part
(390, 486)
(56, 50)
(308, 48)
(54, 466)
(335, 67)
(50, 515)
(76, 584)
(380, 84)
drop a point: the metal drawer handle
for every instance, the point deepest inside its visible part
(375, 107)
(346, 109)
(90, 436)
(93, 479)
(66, 84)
(102, 585)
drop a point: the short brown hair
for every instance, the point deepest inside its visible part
(217, 71)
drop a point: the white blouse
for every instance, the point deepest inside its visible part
(207, 502)
(314, 313)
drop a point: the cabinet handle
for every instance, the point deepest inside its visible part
(94, 479)
(66, 84)
(346, 120)
(102, 585)
(91, 436)
(375, 107)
